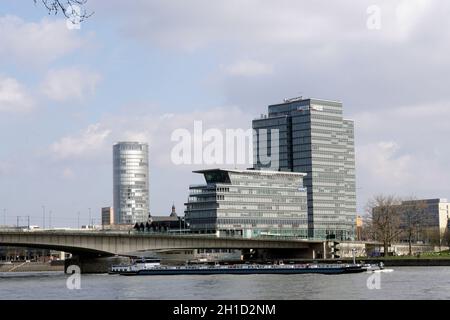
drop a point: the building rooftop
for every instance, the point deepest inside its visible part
(435, 200)
(265, 172)
(301, 99)
(163, 218)
(129, 142)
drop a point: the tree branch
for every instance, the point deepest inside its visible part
(67, 7)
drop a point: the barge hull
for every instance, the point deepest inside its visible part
(161, 272)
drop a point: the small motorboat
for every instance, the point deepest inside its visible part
(378, 268)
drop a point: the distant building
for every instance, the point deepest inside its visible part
(174, 212)
(10, 253)
(130, 180)
(434, 223)
(430, 219)
(314, 138)
(164, 223)
(359, 226)
(107, 216)
(248, 203)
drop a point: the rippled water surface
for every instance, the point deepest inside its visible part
(403, 283)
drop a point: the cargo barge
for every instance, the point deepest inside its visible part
(153, 267)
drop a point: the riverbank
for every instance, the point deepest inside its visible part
(411, 262)
(30, 267)
(403, 261)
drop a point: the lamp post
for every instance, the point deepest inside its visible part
(78, 221)
(89, 218)
(43, 217)
(4, 221)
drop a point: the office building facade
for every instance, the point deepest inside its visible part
(107, 216)
(313, 138)
(131, 182)
(429, 216)
(248, 203)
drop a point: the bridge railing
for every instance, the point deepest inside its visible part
(158, 233)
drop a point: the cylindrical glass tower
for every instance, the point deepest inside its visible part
(131, 183)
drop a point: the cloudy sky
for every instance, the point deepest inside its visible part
(141, 69)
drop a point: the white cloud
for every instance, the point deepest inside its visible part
(258, 25)
(153, 127)
(35, 43)
(156, 128)
(89, 141)
(14, 97)
(403, 151)
(409, 14)
(69, 83)
(5, 167)
(197, 24)
(320, 48)
(68, 173)
(248, 68)
(384, 165)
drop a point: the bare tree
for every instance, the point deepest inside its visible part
(434, 236)
(384, 218)
(446, 237)
(71, 9)
(413, 215)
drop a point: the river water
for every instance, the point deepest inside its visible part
(403, 283)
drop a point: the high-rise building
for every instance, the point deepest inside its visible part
(311, 136)
(107, 216)
(131, 182)
(248, 203)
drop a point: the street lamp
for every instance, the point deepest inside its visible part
(43, 217)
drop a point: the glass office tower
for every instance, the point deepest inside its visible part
(248, 203)
(130, 180)
(320, 143)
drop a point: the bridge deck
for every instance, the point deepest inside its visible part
(123, 243)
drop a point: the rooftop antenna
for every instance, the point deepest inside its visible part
(285, 100)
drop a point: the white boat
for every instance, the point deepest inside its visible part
(136, 265)
(371, 268)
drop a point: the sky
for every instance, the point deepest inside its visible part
(138, 70)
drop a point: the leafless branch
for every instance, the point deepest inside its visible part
(68, 8)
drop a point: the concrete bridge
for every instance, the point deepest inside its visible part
(90, 246)
(102, 243)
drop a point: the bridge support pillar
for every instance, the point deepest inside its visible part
(88, 264)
